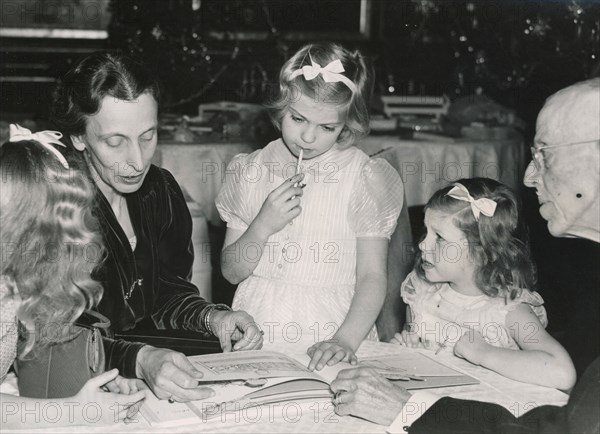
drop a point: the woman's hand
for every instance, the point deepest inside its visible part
(471, 346)
(170, 375)
(236, 326)
(329, 353)
(280, 207)
(111, 407)
(364, 393)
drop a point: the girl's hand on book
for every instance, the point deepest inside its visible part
(410, 340)
(280, 207)
(111, 407)
(330, 352)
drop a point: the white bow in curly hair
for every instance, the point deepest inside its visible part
(482, 205)
(46, 138)
(330, 73)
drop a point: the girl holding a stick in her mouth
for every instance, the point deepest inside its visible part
(309, 216)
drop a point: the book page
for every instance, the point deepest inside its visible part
(233, 377)
(245, 365)
(230, 396)
(410, 363)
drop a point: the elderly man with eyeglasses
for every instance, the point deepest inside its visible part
(565, 171)
(564, 167)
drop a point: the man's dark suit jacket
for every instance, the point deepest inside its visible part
(580, 415)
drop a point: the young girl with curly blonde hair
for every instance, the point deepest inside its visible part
(49, 248)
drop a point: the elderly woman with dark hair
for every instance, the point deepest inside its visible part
(107, 105)
(565, 172)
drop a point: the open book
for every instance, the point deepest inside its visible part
(250, 378)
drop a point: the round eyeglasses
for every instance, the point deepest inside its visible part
(538, 156)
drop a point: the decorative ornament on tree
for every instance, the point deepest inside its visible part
(157, 32)
(575, 9)
(426, 7)
(540, 27)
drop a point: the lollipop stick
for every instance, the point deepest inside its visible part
(299, 165)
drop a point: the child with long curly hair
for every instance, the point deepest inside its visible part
(49, 247)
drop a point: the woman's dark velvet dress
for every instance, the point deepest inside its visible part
(149, 289)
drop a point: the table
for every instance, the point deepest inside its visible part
(318, 417)
(200, 169)
(426, 166)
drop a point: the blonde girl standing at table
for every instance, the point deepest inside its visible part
(471, 291)
(309, 216)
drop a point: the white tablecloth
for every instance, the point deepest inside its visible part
(200, 170)
(426, 166)
(318, 416)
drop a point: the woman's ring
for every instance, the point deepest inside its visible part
(171, 399)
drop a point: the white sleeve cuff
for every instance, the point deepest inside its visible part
(414, 408)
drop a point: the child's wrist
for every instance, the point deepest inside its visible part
(260, 230)
(346, 341)
(479, 355)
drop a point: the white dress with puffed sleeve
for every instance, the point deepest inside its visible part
(303, 284)
(9, 303)
(442, 315)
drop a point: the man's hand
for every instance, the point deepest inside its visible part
(238, 327)
(170, 375)
(364, 393)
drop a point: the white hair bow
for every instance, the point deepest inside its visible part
(482, 205)
(330, 73)
(46, 138)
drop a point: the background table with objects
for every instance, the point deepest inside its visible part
(199, 169)
(317, 416)
(425, 165)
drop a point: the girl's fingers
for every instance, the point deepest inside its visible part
(285, 185)
(112, 387)
(295, 192)
(102, 379)
(291, 204)
(315, 358)
(404, 339)
(289, 183)
(339, 355)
